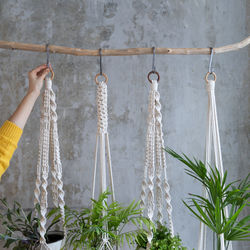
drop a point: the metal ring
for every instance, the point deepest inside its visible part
(104, 75)
(52, 72)
(153, 72)
(207, 75)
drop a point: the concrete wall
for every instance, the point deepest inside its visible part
(91, 24)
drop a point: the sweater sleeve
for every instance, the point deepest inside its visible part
(10, 134)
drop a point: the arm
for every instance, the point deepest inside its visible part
(11, 131)
(36, 78)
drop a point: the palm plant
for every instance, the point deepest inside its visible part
(22, 228)
(220, 194)
(85, 228)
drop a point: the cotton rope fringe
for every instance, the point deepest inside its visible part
(48, 149)
(102, 141)
(155, 165)
(212, 134)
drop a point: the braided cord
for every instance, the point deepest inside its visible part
(48, 145)
(102, 137)
(45, 163)
(151, 160)
(57, 183)
(163, 165)
(39, 162)
(102, 110)
(155, 165)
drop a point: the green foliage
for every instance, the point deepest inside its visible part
(86, 227)
(220, 194)
(162, 240)
(22, 228)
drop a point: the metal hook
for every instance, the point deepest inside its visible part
(48, 62)
(210, 69)
(101, 73)
(47, 51)
(100, 53)
(153, 63)
(153, 72)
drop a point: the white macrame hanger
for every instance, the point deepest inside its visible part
(48, 149)
(155, 182)
(212, 136)
(102, 142)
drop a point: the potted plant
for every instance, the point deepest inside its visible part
(162, 239)
(86, 227)
(210, 209)
(22, 228)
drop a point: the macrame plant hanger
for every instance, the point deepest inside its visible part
(102, 142)
(212, 136)
(48, 149)
(155, 184)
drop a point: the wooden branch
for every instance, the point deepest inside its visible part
(122, 52)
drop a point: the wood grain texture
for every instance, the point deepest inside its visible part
(123, 52)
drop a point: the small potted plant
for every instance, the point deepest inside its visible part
(220, 195)
(86, 227)
(162, 239)
(22, 228)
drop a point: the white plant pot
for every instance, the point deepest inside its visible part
(56, 245)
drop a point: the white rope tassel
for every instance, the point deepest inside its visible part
(155, 164)
(48, 144)
(102, 142)
(212, 133)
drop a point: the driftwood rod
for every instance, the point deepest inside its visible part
(122, 52)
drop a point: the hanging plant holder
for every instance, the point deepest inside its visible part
(155, 184)
(48, 149)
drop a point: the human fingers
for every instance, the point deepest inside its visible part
(38, 69)
(43, 73)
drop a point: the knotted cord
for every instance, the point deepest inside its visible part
(102, 142)
(155, 182)
(48, 148)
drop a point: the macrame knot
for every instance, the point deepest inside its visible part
(210, 85)
(48, 148)
(155, 184)
(154, 85)
(48, 83)
(102, 110)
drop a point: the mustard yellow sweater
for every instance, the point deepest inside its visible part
(9, 137)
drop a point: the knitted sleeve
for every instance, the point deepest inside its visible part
(9, 137)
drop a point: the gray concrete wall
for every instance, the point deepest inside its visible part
(91, 24)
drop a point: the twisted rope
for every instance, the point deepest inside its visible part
(48, 145)
(39, 162)
(162, 164)
(57, 183)
(45, 163)
(155, 165)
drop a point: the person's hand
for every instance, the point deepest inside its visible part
(36, 78)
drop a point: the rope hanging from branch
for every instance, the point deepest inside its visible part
(48, 149)
(155, 183)
(212, 137)
(102, 142)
